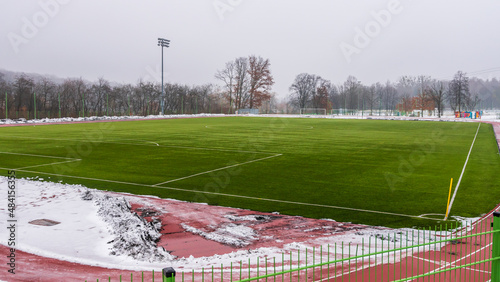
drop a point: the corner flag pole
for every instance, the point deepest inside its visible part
(449, 196)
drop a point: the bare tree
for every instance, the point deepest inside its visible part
(228, 77)
(389, 96)
(98, 96)
(424, 100)
(23, 86)
(458, 91)
(406, 85)
(5, 95)
(488, 92)
(371, 96)
(334, 97)
(303, 89)
(242, 82)
(81, 92)
(46, 93)
(471, 101)
(437, 92)
(352, 87)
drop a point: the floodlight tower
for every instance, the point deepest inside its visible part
(162, 42)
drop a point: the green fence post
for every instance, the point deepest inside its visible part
(168, 274)
(495, 265)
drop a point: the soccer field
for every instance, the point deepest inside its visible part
(391, 173)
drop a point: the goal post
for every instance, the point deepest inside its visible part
(312, 111)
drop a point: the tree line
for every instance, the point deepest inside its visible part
(75, 97)
(246, 83)
(407, 95)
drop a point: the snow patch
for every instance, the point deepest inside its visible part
(96, 118)
(447, 116)
(232, 234)
(252, 217)
(133, 235)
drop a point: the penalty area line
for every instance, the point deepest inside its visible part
(217, 169)
(226, 195)
(41, 156)
(69, 160)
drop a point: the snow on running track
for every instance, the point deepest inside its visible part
(99, 234)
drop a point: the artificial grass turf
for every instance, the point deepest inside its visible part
(401, 167)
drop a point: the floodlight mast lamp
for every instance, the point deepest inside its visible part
(162, 42)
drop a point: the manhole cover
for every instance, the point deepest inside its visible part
(44, 222)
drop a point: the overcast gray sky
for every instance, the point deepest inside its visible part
(376, 40)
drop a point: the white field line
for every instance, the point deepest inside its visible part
(137, 144)
(306, 127)
(69, 160)
(477, 270)
(75, 160)
(352, 271)
(428, 260)
(142, 141)
(181, 147)
(217, 169)
(225, 195)
(462, 174)
(41, 156)
(473, 253)
(452, 263)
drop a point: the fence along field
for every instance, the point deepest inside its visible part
(391, 173)
(465, 254)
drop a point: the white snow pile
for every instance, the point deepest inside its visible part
(96, 118)
(93, 224)
(133, 235)
(231, 234)
(447, 116)
(94, 228)
(250, 217)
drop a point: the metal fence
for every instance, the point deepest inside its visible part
(467, 253)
